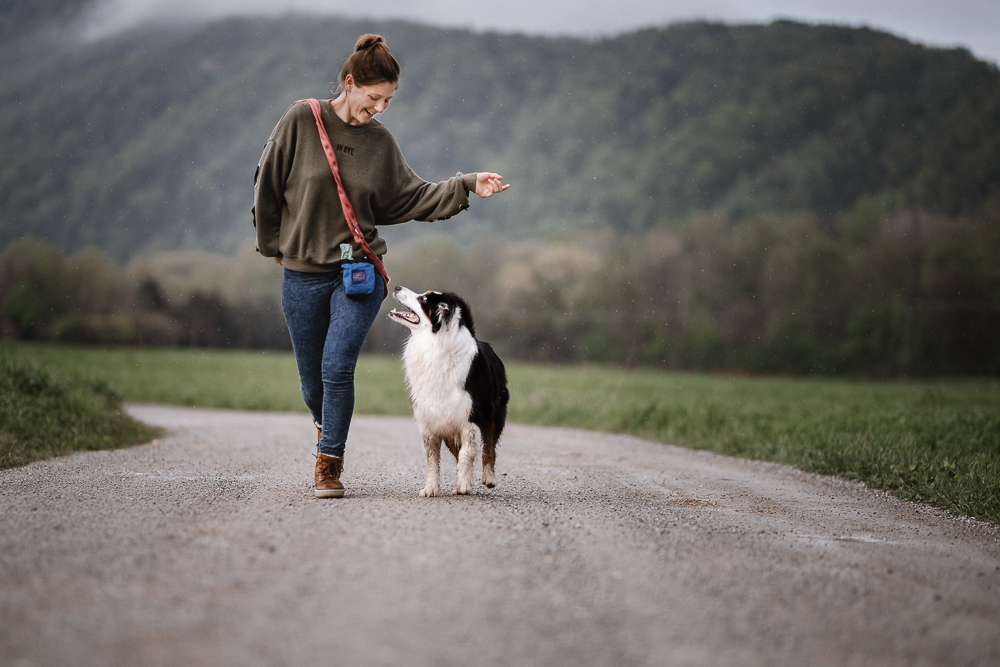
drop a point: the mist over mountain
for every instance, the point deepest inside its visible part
(148, 140)
(32, 31)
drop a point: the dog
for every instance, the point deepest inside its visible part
(457, 384)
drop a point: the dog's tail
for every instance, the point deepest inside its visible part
(497, 414)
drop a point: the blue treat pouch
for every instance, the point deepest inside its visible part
(359, 278)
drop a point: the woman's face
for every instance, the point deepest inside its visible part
(363, 102)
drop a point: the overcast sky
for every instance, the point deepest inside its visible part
(974, 24)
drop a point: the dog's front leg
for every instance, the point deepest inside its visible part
(467, 459)
(432, 448)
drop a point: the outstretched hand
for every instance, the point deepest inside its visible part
(489, 184)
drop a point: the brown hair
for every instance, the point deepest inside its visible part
(370, 63)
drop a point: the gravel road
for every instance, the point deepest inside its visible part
(206, 547)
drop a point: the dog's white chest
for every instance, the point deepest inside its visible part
(437, 366)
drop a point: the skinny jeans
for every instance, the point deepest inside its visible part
(327, 328)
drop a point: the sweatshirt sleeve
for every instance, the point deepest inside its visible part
(417, 199)
(269, 197)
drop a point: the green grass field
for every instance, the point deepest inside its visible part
(933, 442)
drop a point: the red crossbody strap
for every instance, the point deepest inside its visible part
(352, 220)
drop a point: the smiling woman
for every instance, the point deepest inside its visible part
(360, 103)
(368, 80)
(306, 221)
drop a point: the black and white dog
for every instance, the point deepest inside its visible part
(458, 385)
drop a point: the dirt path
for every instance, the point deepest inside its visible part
(206, 547)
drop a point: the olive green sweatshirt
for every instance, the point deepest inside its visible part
(297, 211)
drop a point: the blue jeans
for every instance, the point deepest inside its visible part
(328, 328)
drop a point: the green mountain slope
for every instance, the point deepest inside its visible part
(149, 141)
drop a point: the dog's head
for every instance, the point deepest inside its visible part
(432, 311)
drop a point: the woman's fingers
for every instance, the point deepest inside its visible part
(492, 184)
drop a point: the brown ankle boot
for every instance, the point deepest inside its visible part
(328, 469)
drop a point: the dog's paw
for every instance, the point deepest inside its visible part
(463, 489)
(429, 491)
(489, 481)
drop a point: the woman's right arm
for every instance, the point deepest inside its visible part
(269, 198)
(269, 182)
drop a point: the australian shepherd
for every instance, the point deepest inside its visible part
(458, 385)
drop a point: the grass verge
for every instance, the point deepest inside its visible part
(932, 442)
(44, 417)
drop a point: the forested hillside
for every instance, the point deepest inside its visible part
(149, 141)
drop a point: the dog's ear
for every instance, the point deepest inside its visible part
(442, 316)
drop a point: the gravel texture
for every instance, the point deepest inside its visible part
(206, 547)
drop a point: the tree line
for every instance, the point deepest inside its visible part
(86, 299)
(888, 290)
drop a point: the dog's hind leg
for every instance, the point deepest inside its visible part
(432, 448)
(489, 457)
(471, 437)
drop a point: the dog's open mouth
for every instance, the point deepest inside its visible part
(405, 315)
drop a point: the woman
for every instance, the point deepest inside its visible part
(301, 224)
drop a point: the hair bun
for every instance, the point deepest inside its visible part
(370, 63)
(366, 42)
